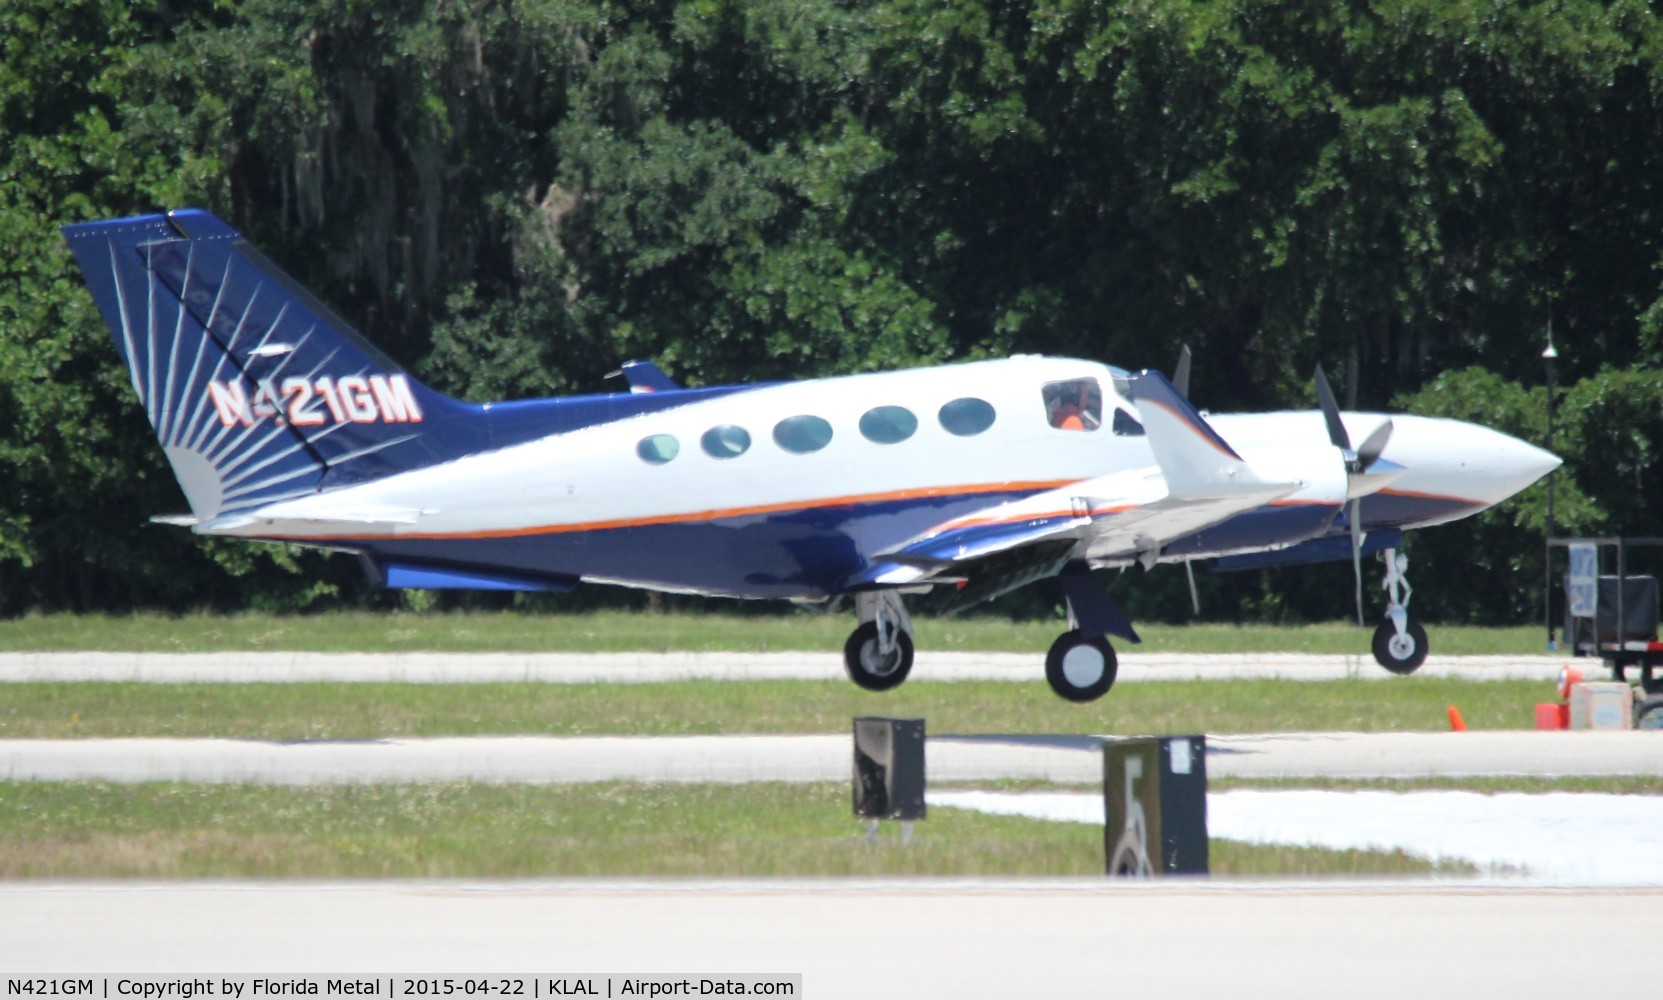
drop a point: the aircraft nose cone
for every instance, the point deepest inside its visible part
(1467, 462)
(1492, 465)
(1515, 465)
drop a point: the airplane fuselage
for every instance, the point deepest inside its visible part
(603, 502)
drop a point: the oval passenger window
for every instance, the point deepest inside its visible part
(967, 416)
(802, 434)
(726, 441)
(658, 449)
(888, 424)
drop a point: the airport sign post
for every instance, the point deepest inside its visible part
(1155, 799)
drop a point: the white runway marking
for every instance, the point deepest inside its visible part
(644, 668)
(1572, 838)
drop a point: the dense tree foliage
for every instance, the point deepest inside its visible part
(513, 196)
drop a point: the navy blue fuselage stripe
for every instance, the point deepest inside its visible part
(808, 553)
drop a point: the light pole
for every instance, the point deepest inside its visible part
(1549, 356)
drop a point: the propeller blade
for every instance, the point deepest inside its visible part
(1374, 444)
(1181, 374)
(1354, 514)
(1195, 595)
(1331, 413)
(1356, 462)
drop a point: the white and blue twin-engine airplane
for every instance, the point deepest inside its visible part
(283, 424)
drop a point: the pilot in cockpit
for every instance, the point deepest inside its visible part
(1075, 405)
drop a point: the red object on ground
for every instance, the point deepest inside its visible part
(1456, 723)
(1553, 715)
(1569, 677)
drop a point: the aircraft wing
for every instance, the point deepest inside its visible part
(1198, 481)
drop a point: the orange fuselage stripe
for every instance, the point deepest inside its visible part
(1427, 496)
(922, 493)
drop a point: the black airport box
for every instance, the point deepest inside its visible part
(889, 768)
(1155, 798)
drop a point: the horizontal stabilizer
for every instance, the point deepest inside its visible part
(324, 509)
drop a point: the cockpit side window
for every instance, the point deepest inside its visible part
(1125, 425)
(1075, 405)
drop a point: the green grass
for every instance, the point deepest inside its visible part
(97, 830)
(367, 711)
(178, 830)
(617, 631)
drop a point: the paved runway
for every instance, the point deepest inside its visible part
(626, 668)
(852, 939)
(1065, 759)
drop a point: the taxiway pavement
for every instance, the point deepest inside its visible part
(935, 938)
(960, 758)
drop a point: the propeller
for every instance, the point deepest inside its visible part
(1362, 464)
(1181, 382)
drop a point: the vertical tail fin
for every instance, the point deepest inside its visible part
(257, 391)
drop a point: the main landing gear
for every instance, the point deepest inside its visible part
(1080, 666)
(878, 655)
(1399, 641)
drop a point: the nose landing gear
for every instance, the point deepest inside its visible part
(1399, 641)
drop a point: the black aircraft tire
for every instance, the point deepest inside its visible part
(1402, 660)
(869, 669)
(1081, 669)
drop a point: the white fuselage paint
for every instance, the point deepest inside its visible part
(593, 477)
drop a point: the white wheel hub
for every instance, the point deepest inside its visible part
(1401, 646)
(1083, 665)
(876, 663)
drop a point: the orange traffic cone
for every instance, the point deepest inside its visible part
(1456, 723)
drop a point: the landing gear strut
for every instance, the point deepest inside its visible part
(878, 655)
(1399, 641)
(1081, 665)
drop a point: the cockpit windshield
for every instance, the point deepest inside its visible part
(1075, 405)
